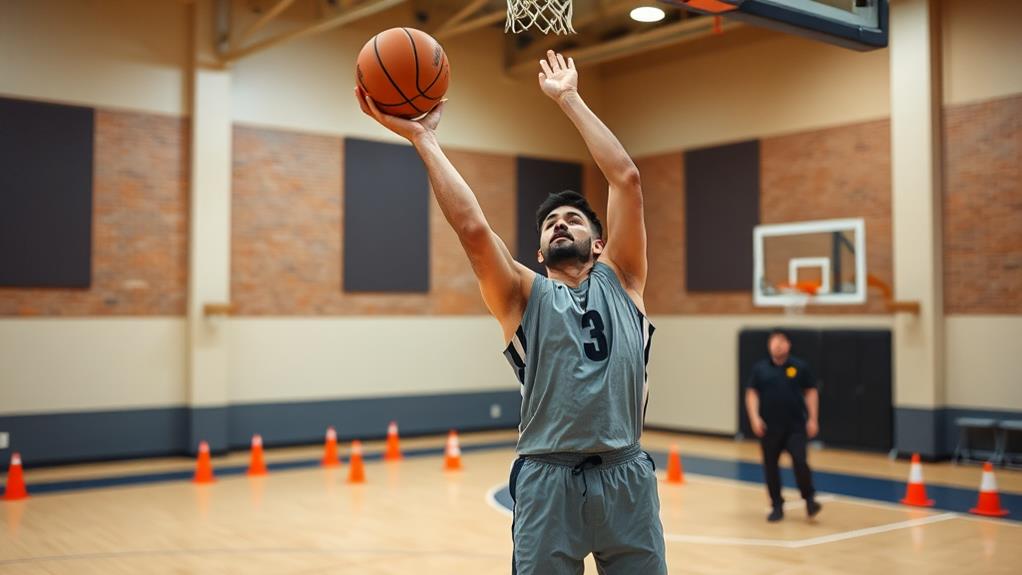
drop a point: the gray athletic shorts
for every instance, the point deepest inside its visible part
(568, 505)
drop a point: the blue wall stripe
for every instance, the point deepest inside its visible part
(88, 436)
(932, 432)
(58, 438)
(229, 471)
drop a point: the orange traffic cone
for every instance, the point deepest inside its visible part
(452, 453)
(15, 480)
(357, 473)
(989, 503)
(393, 452)
(675, 473)
(915, 494)
(257, 466)
(203, 467)
(330, 458)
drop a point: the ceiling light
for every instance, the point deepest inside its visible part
(647, 14)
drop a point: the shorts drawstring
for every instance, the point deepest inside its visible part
(590, 462)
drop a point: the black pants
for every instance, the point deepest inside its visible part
(794, 442)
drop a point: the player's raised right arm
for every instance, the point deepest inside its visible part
(502, 280)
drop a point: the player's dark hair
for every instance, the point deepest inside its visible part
(573, 199)
(778, 332)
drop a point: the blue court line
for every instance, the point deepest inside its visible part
(228, 471)
(946, 498)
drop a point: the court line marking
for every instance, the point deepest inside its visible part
(854, 534)
(875, 503)
(491, 500)
(812, 541)
(711, 540)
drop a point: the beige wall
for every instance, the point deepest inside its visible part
(982, 359)
(127, 54)
(291, 359)
(772, 84)
(982, 49)
(307, 85)
(693, 373)
(90, 364)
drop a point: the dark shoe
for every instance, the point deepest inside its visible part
(812, 507)
(776, 515)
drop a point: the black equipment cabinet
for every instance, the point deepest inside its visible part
(853, 368)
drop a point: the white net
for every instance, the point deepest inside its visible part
(548, 16)
(798, 301)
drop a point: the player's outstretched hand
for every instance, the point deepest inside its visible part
(559, 77)
(407, 129)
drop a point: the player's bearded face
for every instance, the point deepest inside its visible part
(567, 250)
(566, 239)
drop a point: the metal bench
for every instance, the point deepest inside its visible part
(1009, 444)
(977, 440)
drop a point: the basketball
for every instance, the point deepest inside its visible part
(404, 70)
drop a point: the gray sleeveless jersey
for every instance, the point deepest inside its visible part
(580, 355)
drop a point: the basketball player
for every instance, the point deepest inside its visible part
(782, 403)
(578, 341)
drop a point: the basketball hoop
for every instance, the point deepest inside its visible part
(799, 295)
(545, 15)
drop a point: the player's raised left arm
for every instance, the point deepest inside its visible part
(626, 228)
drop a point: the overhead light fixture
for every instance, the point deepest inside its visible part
(647, 14)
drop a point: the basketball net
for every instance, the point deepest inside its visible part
(799, 294)
(544, 15)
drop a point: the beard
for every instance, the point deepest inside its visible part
(567, 253)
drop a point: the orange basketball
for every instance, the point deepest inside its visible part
(404, 70)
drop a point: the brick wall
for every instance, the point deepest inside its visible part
(287, 217)
(454, 289)
(983, 207)
(140, 225)
(841, 172)
(832, 173)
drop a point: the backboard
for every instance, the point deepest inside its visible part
(827, 255)
(855, 24)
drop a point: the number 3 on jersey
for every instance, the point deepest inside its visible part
(598, 348)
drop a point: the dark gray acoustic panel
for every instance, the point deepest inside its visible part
(45, 194)
(536, 180)
(721, 209)
(386, 218)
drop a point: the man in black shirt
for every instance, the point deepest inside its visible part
(782, 403)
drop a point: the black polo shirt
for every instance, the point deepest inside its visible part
(780, 388)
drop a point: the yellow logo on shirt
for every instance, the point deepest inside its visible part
(792, 372)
